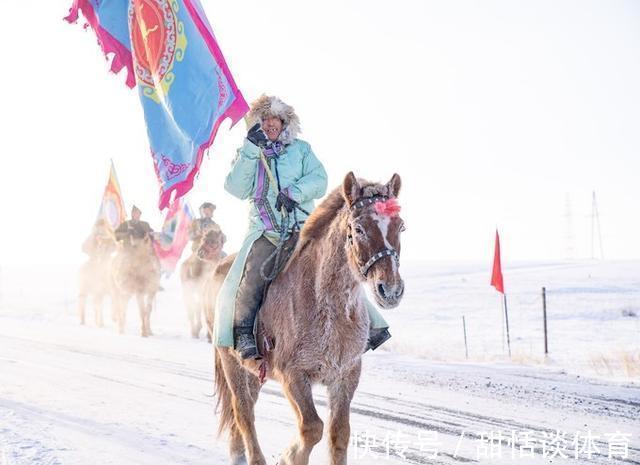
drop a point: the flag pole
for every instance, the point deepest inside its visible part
(502, 322)
(506, 318)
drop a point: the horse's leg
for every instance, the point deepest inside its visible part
(142, 308)
(197, 316)
(340, 395)
(236, 446)
(243, 401)
(82, 307)
(209, 333)
(97, 303)
(189, 306)
(310, 426)
(193, 317)
(150, 301)
(207, 315)
(114, 307)
(121, 312)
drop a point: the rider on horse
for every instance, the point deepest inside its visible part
(281, 177)
(100, 241)
(133, 228)
(202, 225)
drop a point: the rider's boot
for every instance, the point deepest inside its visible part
(244, 342)
(377, 337)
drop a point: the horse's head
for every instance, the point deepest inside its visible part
(373, 239)
(211, 244)
(138, 243)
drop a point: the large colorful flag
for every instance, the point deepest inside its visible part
(184, 83)
(112, 205)
(496, 276)
(174, 236)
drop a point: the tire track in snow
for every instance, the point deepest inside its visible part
(381, 408)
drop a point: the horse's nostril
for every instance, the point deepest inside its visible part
(381, 290)
(400, 289)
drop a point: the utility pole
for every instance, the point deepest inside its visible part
(595, 223)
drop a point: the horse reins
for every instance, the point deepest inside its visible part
(386, 252)
(276, 257)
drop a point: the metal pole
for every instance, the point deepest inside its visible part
(544, 319)
(464, 329)
(506, 318)
(502, 324)
(593, 223)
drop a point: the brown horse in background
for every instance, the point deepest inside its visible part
(93, 277)
(134, 271)
(313, 324)
(194, 272)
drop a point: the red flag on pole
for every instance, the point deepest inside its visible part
(496, 276)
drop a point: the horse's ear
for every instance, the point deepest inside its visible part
(393, 186)
(350, 188)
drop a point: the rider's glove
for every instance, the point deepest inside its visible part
(257, 136)
(285, 201)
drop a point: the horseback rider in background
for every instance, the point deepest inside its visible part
(202, 225)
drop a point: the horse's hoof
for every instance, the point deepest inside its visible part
(239, 460)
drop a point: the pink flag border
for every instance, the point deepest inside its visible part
(235, 111)
(122, 58)
(121, 55)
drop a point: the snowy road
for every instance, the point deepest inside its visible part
(91, 396)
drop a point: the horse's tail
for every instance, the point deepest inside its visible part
(224, 406)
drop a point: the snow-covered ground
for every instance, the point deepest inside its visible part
(593, 311)
(81, 395)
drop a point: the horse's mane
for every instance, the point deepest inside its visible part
(317, 224)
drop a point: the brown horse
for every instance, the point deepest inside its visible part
(313, 324)
(93, 278)
(194, 272)
(134, 271)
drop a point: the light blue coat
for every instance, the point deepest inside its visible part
(303, 177)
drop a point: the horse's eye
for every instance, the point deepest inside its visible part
(359, 230)
(402, 227)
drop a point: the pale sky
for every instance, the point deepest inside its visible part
(493, 113)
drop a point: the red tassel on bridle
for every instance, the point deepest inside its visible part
(389, 207)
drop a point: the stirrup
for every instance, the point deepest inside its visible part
(245, 343)
(377, 337)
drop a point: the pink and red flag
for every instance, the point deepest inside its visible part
(496, 276)
(174, 236)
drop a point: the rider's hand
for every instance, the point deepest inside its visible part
(285, 201)
(257, 136)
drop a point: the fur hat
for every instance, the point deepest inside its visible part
(207, 205)
(267, 106)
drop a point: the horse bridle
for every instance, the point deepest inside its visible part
(205, 249)
(386, 252)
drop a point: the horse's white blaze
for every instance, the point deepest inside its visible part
(383, 222)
